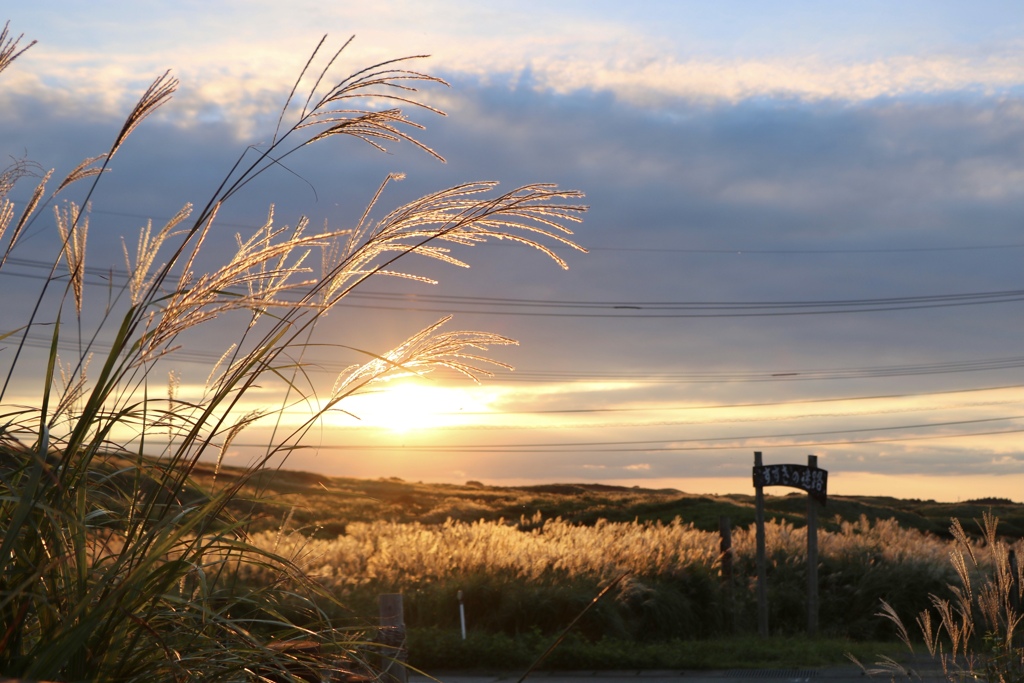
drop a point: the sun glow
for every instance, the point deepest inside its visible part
(407, 406)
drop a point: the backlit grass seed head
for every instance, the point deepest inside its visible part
(8, 178)
(254, 279)
(425, 351)
(73, 226)
(232, 433)
(214, 370)
(84, 170)
(457, 215)
(140, 272)
(157, 94)
(265, 283)
(9, 46)
(6, 215)
(71, 391)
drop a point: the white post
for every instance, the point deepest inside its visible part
(394, 653)
(462, 615)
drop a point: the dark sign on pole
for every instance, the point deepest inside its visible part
(804, 477)
(807, 478)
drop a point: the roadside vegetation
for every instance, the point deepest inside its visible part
(534, 574)
(528, 560)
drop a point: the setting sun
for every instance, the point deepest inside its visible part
(406, 406)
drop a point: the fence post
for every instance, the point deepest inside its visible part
(1015, 590)
(725, 546)
(812, 557)
(392, 637)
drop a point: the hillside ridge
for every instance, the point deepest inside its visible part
(325, 505)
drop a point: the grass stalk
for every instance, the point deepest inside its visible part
(115, 563)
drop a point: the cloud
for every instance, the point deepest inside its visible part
(232, 71)
(656, 82)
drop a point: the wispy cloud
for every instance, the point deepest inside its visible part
(239, 92)
(232, 71)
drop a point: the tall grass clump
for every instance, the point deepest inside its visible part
(975, 633)
(114, 566)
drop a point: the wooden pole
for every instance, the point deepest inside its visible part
(812, 557)
(725, 546)
(392, 621)
(1015, 591)
(762, 581)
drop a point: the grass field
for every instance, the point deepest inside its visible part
(527, 560)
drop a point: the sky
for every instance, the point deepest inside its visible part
(804, 224)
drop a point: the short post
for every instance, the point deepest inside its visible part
(462, 614)
(812, 557)
(1015, 590)
(725, 548)
(762, 579)
(392, 637)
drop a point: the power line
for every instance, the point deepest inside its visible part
(676, 250)
(45, 265)
(607, 425)
(787, 375)
(677, 305)
(506, 306)
(682, 449)
(627, 310)
(791, 444)
(646, 377)
(666, 444)
(603, 444)
(742, 251)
